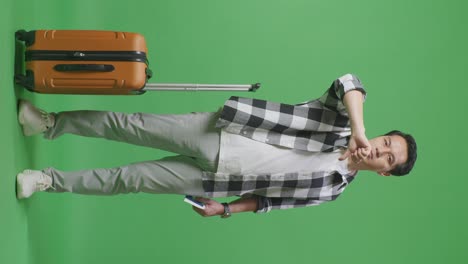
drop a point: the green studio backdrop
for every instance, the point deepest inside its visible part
(410, 55)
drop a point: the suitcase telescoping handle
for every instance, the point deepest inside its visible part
(200, 87)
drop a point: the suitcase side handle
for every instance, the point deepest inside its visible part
(84, 67)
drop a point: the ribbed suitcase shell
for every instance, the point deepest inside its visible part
(127, 77)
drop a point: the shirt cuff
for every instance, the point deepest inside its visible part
(349, 82)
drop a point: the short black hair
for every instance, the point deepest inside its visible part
(405, 168)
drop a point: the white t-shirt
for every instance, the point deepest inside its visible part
(242, 156)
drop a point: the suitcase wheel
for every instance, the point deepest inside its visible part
(25, 80)
(27, 36)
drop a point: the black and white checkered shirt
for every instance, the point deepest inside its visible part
(320, 125)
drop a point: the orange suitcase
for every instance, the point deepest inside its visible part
(93, 62)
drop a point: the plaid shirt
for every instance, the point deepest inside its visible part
(320, 125)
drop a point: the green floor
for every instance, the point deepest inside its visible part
(411, 56)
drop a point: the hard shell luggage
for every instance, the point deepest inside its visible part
(94, 62)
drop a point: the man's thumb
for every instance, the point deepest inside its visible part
(345, 155)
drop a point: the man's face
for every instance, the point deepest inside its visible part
(387, 152)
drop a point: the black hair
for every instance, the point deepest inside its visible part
(405, 168)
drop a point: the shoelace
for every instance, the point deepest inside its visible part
(46, 118)
(43, 185)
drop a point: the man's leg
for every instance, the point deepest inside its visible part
(191, 134)
(171, 175)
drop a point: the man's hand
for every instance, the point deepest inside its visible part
(358, 148)
(212, 207)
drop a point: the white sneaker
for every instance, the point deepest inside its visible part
(31, 181)
(34, 120)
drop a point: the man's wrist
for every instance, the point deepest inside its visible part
(226, 211)
(358, 129)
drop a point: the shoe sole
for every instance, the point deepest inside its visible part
(21, 112)
(19, 189)
(21, 119)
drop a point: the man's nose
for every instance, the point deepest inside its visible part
(382, 151)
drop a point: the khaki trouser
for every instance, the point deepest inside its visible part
(193, 136)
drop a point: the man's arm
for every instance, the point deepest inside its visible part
(353, 101)
(213, 207)
(359, 146)
(257, 204)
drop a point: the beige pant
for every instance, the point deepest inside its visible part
(192, 136)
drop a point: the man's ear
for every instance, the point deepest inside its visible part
(384, 173)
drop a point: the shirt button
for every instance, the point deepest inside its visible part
(244, 132)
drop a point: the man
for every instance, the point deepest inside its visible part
(272, 155)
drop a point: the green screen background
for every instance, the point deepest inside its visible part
(410, 55)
